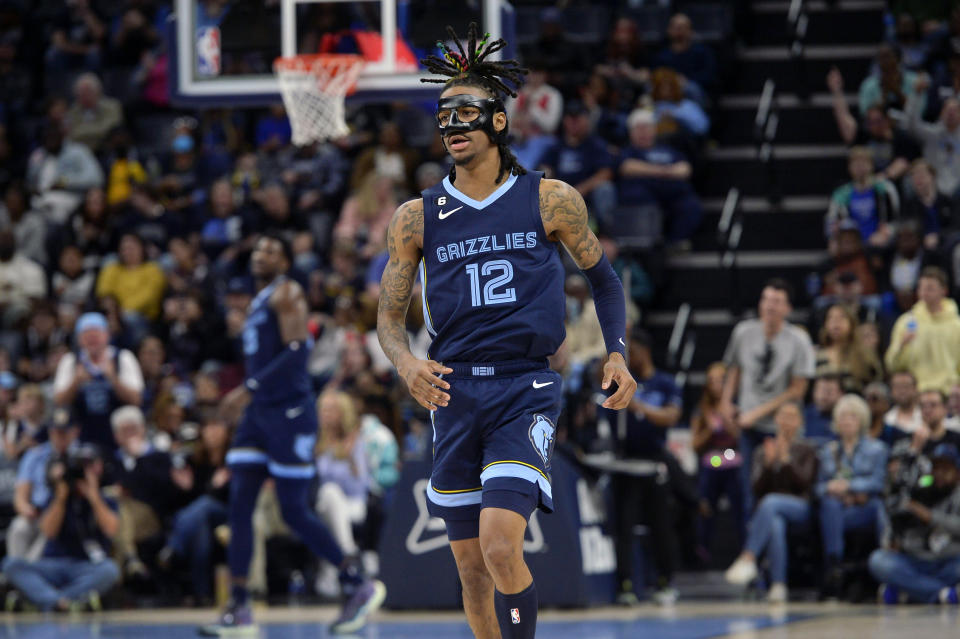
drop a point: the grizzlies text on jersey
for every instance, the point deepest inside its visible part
(492, 280)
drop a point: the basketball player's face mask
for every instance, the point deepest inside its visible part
(464, 113)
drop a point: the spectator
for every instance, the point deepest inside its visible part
(869, 201)
(277, 216)
(624, 62)
(22, 283)
(192, 335)
(584, 337)
(78, 523)
(906, 264)
(650, 172)
(273, 129)
(561, 56)
(29, 227)
(673, 111)
(891, 84)
(133, 37)
(927, 206)
(904, 418)
(783, 478)
(926, 340)
(32, 492)
(153, 487)
(933, 410)
(582, 160)
(892, 149)
(818, 415)
(914, 50)
(535, 115)
(366, 215)
(608, 116)
(136, 283)
(769, 362)
(192, 534)
(96, 380)
(840, 352)
(391, 158)
(925, 572)
(71, 282)
(849, 268)
(716, 442)
(877, 395)
(656, 407)
(60, 171)
(78, 34)
(694, 60)
(92, 115)
(152, 357)
(850, 483)
(940, 140)
(342, 469)
(26, 421)
(89, 228)
(224, 225)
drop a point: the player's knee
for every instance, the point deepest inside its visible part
(475, 578)
(499, 552)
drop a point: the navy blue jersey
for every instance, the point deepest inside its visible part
(492, 280)
(262, 343)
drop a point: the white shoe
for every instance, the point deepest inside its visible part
(741, 573)
(666, 596)
(777, 593)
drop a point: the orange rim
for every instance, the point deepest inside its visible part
(338, 62)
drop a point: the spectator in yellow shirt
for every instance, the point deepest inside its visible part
(926, 339)
(134, 282)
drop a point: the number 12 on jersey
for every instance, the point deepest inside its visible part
(503, 271)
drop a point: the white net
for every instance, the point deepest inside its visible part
(313, 89)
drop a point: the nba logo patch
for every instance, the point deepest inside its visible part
(208, 51)
(515, 615)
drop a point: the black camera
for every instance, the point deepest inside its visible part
(72, 465)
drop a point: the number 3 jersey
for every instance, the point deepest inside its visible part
(492, 281)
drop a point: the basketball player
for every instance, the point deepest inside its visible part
(485, 243)
(276, 439)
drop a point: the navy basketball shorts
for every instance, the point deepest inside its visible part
(280, 436)
(493, 443)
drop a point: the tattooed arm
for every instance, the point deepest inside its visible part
(405, 243)
(565, 220)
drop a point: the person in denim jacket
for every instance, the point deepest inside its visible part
(850, 484)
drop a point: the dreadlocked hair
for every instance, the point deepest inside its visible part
(469, 66)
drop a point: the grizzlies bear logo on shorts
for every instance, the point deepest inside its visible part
(542, 433)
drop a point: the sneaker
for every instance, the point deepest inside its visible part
(890, 595)
(777, 593)
(666, 596)
(627, 598)
(365, 601)
(90, 603)
(949, 595)
(741, 573)
(236, 621)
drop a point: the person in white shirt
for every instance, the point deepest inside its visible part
(22, 282)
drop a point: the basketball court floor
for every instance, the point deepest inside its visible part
(683, 621)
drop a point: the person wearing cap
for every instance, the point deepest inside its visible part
(96, 379)
(581, 158)
(922, 563)
(926, 339)
(656, 406)
(32, 491)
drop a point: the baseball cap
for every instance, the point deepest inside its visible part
(89, 321)
(946, 452)
(8, 381)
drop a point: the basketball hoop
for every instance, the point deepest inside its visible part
(314, 87)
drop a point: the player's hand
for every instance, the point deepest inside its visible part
(422, 379)
(232, 405)
(615, 370)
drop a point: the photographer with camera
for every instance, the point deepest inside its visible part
(32, 492)
(922, 563)
(78, 523)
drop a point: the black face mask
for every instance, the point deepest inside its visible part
(450, 110)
